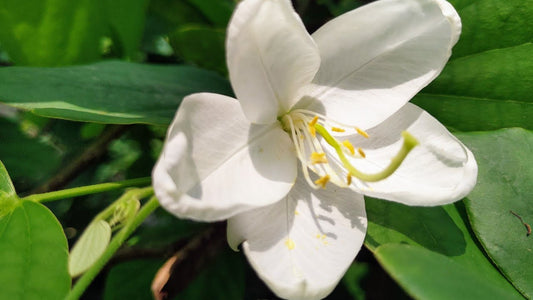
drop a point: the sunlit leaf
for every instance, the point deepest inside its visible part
(504, 187)
(430, 275)
(34, 254)
(442, 230)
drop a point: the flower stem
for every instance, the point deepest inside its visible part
(87, 190)
(85, 280)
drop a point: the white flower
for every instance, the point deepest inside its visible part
(239, 159)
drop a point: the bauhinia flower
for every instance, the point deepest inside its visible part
(319, 121)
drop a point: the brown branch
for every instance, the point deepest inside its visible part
(181, 269)
(93, 153)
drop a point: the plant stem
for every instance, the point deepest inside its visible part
(87, 190)
(86, 279)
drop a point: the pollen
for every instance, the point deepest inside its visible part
(318, 158)
(348, 179)
(361, 152)
(290, 244)
(349, 145)
(311, 126)
(337, 129)
(322, 181)
(361, 132)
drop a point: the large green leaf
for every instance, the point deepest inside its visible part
(34, 254)
(51, 32)
(504, 185)
(430, 275)
(487, 84)
(217, 11)
(106, 92)
(442, 230)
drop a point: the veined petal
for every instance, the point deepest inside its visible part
(215, 164)
(438, 171)
(270, 57)
(377, 57)
(302, 246)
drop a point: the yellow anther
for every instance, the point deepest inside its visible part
(361, 132)
(348, 179)
(322, 181)
(318, 158)
(350, 147)
(311, 126)
(361, 152)
(337, 129)
(290, 244)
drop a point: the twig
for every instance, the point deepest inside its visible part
(176, 274)
(94, 152)
(528, 228)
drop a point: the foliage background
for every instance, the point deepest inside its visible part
(93, 84)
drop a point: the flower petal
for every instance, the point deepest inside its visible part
(270, 57)
(377, 57)
(438, 171)
(302, 246)
(215, 164)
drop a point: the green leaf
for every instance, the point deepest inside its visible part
(429, 275)
(34, 254)
(504, 185)
(107, 92)
(493, 24)
(126, 21)
(201, 45)
(442, 230)
(51, 32)
(8, 195)
(29, 159)
(131, 280)
(90, 246)
(217, 11)
(6, 186)
(487, 83)
(485, 91)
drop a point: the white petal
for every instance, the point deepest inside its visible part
(270, 57)
(440, 170)
(302, 246)
(215, 164)
(377, 57)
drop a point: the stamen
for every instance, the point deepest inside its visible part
(361, 152)
(361, 132)
(337, 129)
(409, 142)
(348, 179)
(318, 158)
(311, 126)
(322, 181)
(350, 147)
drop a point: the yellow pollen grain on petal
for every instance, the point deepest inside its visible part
(349, 179)
(318, 158)
(363, 154)
(337, 129)
(318, 236)
(361, 132)
(322, 181)
(349, 145)
(296, 213)
(290, 244)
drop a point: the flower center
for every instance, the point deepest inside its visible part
(310, 130)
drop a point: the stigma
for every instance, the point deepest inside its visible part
(324, 153)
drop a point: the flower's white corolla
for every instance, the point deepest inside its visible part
(318, 121)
